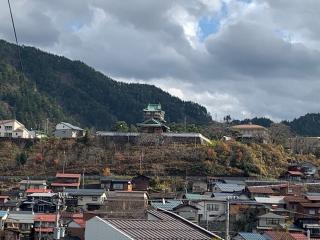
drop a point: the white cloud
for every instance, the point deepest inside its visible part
(264, 60)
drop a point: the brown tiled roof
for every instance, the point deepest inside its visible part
(295, 199)
(257, 189)
(310, 205)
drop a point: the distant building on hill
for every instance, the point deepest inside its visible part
(252, 132)
(67, 130)
(154, 121)
(152, 131)
(13, 129)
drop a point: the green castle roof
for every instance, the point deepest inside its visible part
(153, 107)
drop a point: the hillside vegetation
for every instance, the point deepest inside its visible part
(60, 89)
(231, 158)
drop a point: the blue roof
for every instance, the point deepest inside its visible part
(3, 213)
(251, 236)
(169, 204)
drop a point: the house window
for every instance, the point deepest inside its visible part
(118, 186)
(8, 134)
(94, 198)
(272, 221)
(8, 127)
(289, 190)
(312, 211)
(212, 207)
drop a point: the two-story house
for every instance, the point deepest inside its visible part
(32, 184)
(13, 129)
(66, 180)
(67, 130)
(19, 225)
(87, 199)
(44, 225)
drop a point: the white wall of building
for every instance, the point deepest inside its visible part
(14, 129)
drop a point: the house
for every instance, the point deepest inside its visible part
(187, 211)
(39, 203)
(4, 199)
(252, 131)
(270, 221)
(284, 235)
(140, 183)
(13, 129)
(87, 199)
(210, 209)
(259, 191)
(249, 236)
(111, 184)
(228, 188)
(67, 130)
(124, 204)
(154, 121)
(76, 224)
(3, 217)
(199, 186)
(271, 201)
(11, 205)
(158, 224)
(292, 202)
(292, 176)
(32, 184)
(44, 225)
(19, 224)
(66, 180)
(308, 216)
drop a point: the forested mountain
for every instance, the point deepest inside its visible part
(307, 125)
(57, 88)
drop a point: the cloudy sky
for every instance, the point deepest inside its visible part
(240, 57)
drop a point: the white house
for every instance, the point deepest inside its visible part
(87, 197)
(67, 130)
(13, 129)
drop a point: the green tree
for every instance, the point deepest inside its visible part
(120, 126)
(21, 158)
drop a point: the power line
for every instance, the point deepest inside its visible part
(15, 36)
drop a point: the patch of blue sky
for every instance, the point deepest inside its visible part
(211, 24)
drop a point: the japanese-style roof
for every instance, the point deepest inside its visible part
(313, 196)
(310, 205)
(248, 126)
(43, 217)
(33, 190)
(251, 236)
(229, 187)
(270, 200)
(262, 189)
(56, 184)
(3, 213)
(21, 217)
(166, 226)
(153, 107)
(42, 194)
(44, 229)
(68, 175)
(295, 173)
(152, 123)
(70, 126)
(169, 204)
(276, 235)
(197, 197)
(33, 182)
(295, 199)
(84, 192)
(272, 215)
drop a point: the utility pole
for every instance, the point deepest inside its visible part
(227, 218)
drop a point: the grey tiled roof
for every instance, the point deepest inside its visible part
(84, 192)
(251, 236)
(169, 204)
(227, 187)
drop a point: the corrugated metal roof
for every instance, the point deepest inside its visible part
(71, 126)
(251, 236)
(21, 217)
(167, 227)
(272, 215)
(3, 213)
(270, 200)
